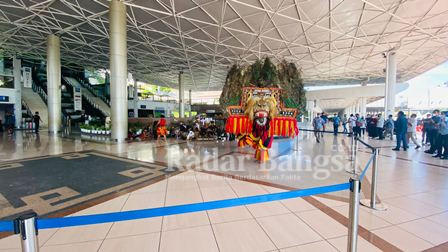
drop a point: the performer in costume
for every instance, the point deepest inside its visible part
(161, 128)
(259, 118)
(260, 111)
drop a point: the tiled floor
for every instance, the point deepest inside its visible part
(413, 186)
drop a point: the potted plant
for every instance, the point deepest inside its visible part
(84, 128)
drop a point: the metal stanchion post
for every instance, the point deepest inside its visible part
(352, 146)
(25, 225)
(352, 240)
(353, 155)
(372, 202)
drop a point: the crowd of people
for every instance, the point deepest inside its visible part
(200, 128)
(434, 129)
(435, 133)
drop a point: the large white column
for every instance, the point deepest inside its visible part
(391, 79)
(135, 99)
(17, 65)
(310, 109)
(54, 83)
(189, 99)
(363, 102)
(118, 70)
(181, 97)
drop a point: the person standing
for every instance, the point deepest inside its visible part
(351, 123)
(444, 136)
(357, 128)
(372, 123)
(161, 128)
(344, 123)
(10, 120)
(380, 127)
(401, 130)
(36, 120)
(426, 126)
(433, 131)
(318, 123)
(412, 131)
(336, 122)
(389, 126)
(325, 120)
(363, 126)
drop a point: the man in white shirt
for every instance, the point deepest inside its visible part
(412, 130)
(352, 123)
(380, 127)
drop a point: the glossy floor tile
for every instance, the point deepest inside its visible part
(413, 185)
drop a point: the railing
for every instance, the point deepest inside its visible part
(40, 91)
(88, 98)
(27, 108)
(27, 225)
(372, 161)
(94, 92)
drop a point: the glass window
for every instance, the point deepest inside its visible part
(95, 76)
(6, 82)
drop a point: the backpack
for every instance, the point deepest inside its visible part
(388, 124)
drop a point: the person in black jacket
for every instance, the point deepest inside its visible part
(401, 128)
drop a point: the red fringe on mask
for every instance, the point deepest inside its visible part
(279, 126)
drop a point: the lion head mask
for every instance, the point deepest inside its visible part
(260, 109)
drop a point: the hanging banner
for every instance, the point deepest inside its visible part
(77, 98)
(27, 77)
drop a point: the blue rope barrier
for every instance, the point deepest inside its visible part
(188, 208)
(6, 226)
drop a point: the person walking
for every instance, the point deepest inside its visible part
(36, 120)
(380, 127)
(336, 122)
(401, 130)
(318, 125)
(412, 131)
(389, 126)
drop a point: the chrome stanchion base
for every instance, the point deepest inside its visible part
(378, 206)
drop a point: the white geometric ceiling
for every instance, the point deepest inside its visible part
(332, 41)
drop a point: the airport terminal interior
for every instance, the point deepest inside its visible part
(223, 125)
